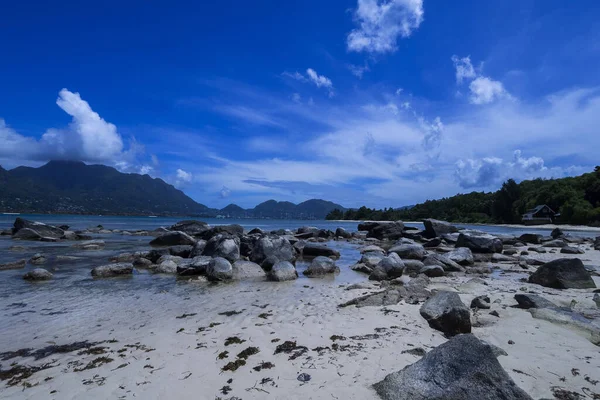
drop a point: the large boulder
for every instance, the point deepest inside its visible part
(392, 265)
(27, 234)
(436, 228)
(564, 273)
(409, 251)
(432, 271)
(387, 230)
(43, 230)
(173, 239)
(442, 261)
(341, 232)
(533, 238)
(464, 368)
(225, 246)
(321, 266)
(194, 266)
(110, 270)
(371, 259)
(445, 312)
(247, 270)
(181, 251)
(198, 248)
(38, 274)
(191, 227)
(283, 271)
(234, 230)
(314, 250)
(480, 243)
(219, 269)
(461, 256)
(275, 248)
(597, 243)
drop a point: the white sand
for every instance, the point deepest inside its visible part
(542, 356)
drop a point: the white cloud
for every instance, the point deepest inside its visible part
(358, 70)
(464, 68)
(224, 192)
(478, 173)
(320, 81)
(382, 22)
(485, 90)
(399, 91)
(182, 177)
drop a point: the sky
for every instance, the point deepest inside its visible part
(361, 102)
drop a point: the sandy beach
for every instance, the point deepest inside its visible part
(285, 340)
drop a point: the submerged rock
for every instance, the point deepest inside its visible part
(172, 239)
(464, 368)
(283, 271)
(13, 265)
(95, 244)
(445, 312)
(321, 266)
(38, 274)
(110, 270)
(564, 273)
(38, 259)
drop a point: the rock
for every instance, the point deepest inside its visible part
(571, 250)
(191, 227)
(435, 228)
(482, 302)
(558, 243)
(38, 274)
(528, 300)
(531, 238)
(480, 243)
(445, 312)
(277, 248)
(510, 252)
(256, 231)
(372, 249)
(432, 271)
(539, 250)
(219, 269)
(166, 267)
(464, 368)
(409, 251)
(41, 229)
(283, 271)
(387, 297)
(13, 265)
(479, 270)
(225, 246)
(564, 273)
(359, 267)
(167, 257)
(183, 251)
(27, 234)
(361, 286)
(155, 254)
(38, 259)
(444, 262)
(412, 267)
(110, 270)
(597, 299)
(435, 242)
(341, 232)
(198, 248)
(499, 258)
(233, 230)
(451, 237)
(321, 266)
(248, 270)
(314, 250)
(597, 243)
(556, 233)
(371, 260)
(387, 230)
(194, 267)
(461, 256)
(392, 265)
(142, 263)
(378, 274)
(173, 239)
(70, 235)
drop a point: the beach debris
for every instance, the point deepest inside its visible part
(264, 365)
(231, 313)
(185, 315)
(95, 363)
(234, 365)
(417, 351)
(289, 347)
(18, 373)
(250, 351)
(233, 340)
(304, 377)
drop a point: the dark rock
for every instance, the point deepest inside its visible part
(219, 269)
(392, 265)
(154, 254)
(195, 266)
(557, 233)
(27, 234)
(436, 228)
(557, 243)
(43, 230)
(283, 271)
(387, 230)
(445, 312)
(191, 227)
(444, 262)
(234, 230)
(571, 250)
(38, 274)
(359, 267)
(110, 270)
(378, 274)
(181, 251)
(221, 245)
(461, 256)
(341, 232)
(527, 301)
(412, 267)
(248, 270)
(432, 271)
(256, 231)
(13, 265)
(275, 248)
(597, 243)
(482, 302)
(142, 263)
(531, 238)
(321, 266)
(198, 248)
(480, 243)
(38, 259)
(314, 250)
(409, 251)
(304, 377)
(173, 239)
(564, 273)
(368, 225)
(464, 368)
(435, 242)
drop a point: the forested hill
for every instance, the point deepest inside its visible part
(577, 199)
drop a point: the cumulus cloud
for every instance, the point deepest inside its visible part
(464, 68)
(182, 177)
(381, 23)
(224, 192)
(485, 90)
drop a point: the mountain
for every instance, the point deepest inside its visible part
(74, 187)
(310, 209)
(233, 211)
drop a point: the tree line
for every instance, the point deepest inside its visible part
(577, 199)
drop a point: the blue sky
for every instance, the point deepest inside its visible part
(383, 103)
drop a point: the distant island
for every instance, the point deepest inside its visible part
(574, 200)
(72, 187)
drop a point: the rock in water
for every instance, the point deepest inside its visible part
(225, 246)
(38, 274)
(321, 266)
(219, 269)
(315, 250)
(173, 239)
(110, 270)
(341, 232)
(564, 273)
(191, 227)
(283, 271)
(387, 230)
(445, 312)
(436, 228)
(96, 244)
(41, 229)
(13, 265)
(278, 248)
(247, 270)
(480, 243)
(38, 259)
(464, 368)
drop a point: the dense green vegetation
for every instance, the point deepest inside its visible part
(577, 199)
